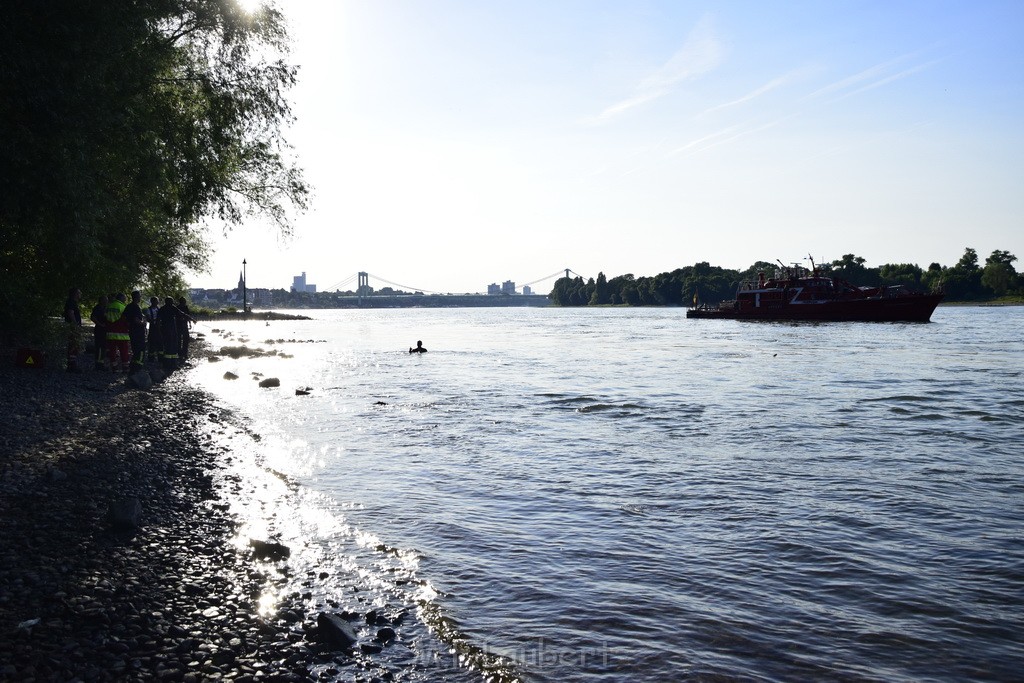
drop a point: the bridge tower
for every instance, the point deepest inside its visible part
(363, 288)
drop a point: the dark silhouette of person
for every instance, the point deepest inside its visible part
(419, 348)
(136, 330)
(154, 345)
(73, 318)
(185, 321)
(167, 318)
(99, 320)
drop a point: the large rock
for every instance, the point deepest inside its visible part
(270, 382)
(126, 514)
(268, 550)
(336, 631)
(140, 380)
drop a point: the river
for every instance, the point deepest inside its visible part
(621, 494)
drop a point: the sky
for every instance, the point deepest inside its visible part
(456, 143)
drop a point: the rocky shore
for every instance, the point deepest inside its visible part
(118, 557)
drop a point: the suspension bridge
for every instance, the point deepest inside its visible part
(359, 284)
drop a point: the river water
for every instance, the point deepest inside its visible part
(627, 495)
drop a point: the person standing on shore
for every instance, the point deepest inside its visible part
(152, 314)
(169, 337)
(99, 330)
(73, 318)
(184, 322)
(136, 330)
(117, 333)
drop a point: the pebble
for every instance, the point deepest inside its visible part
(174, 600)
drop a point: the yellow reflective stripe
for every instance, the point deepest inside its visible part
(118, 336)
(115, 311)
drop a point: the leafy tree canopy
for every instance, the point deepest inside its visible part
(125, 126)
(999, 274)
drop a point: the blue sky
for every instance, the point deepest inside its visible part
(452, 144)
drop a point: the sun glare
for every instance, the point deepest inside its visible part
(250, 6)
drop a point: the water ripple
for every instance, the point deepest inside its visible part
(719, 502)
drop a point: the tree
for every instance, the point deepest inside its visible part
(765, 267)
(908, 274)
(963, 281)
(712, 283)
(998, 273)
(1000, 256)
(968, 263)
(932, 278)
(852, 269)
(570, 292)
(601, 294)
(126, 125)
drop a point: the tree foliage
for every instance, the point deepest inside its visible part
(999, 274)
(665, 289)
(966, 280)
(125, 126)
(908, 274)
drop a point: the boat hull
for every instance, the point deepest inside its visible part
(917, 308)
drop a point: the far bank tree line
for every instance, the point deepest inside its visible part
(967, 280)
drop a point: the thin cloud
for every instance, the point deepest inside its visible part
(709, 138)
(894, 77)
(855, 79)
(700, 53)
(725, 136)
(870, 78)
(774, 84)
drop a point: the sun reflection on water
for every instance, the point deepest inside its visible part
(266, 605)
(270, 489)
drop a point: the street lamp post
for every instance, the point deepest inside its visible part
(245, 305)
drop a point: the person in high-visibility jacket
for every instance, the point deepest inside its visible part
(117, 334)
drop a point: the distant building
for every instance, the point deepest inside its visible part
(299, 284)
(261, 297)
(506, 287)
(527, 291)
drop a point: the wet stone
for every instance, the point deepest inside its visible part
(175, 600)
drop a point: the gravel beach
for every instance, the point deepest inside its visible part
(166, 592)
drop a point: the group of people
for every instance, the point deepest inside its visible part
(127, 335)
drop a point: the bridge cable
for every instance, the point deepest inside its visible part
(339, 285)
(554, 274)
(404, 287)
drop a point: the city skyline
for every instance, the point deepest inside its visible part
(452, 142)
(299, 284)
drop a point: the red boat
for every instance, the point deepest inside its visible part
(797, 293)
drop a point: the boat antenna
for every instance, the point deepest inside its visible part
(814, 268)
